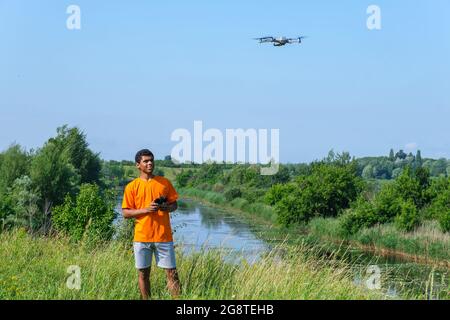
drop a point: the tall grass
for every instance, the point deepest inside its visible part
(427, 241)
(36, 268)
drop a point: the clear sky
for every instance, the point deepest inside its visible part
(138, 70)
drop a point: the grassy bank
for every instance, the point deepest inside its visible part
(36, 268)
(427, 244)
(263, 213)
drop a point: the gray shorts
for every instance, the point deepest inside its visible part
(164, 254)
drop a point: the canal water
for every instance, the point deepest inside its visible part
(199, 227)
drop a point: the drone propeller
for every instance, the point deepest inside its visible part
(297, 40)
(264, 39)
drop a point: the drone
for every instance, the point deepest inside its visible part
(281, 41)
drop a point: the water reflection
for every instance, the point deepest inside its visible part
(199, 227)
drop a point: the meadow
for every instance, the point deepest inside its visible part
(37, 268)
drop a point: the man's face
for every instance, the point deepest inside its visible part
(146, 164)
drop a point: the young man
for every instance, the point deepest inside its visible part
(152, 231)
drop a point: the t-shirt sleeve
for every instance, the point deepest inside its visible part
(128, 198)
(172, 195)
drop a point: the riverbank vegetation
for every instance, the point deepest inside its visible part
(356, 209)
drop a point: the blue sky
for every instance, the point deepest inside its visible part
(138, 70)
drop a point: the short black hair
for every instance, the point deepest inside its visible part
(143, 152)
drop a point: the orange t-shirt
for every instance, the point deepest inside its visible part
(139, 194)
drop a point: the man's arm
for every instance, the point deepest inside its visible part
(134, 213)
(154, 207)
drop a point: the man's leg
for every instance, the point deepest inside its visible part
(173, 282)
(144, 283)
(143, 258)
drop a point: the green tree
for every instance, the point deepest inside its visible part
(25, 198)
(14, 164)
(73, 142)
(53, 175)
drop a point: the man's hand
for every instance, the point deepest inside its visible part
(154, 207)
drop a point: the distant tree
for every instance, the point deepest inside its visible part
(401, 155)
(439, 167)
(367, 172)
(418, 160)
(391, 155)
(331, 156)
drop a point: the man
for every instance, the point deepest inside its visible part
(152, 231)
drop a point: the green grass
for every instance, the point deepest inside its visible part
(36, 268)
(262, 212)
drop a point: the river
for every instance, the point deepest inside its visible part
(199, 227)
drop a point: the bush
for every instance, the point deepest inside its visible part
(277, 192)
(159, 172)
(361, 215)
(440, 209)
(91, 215)
(329, 189)
(218, 187)
(408, 219)
(232, 194)
(444, 220)
(387, 204)
(253, 194)
(183, 178)
(412, 184)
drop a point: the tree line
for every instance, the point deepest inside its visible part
(61, 186)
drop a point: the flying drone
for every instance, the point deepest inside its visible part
(281, 41)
